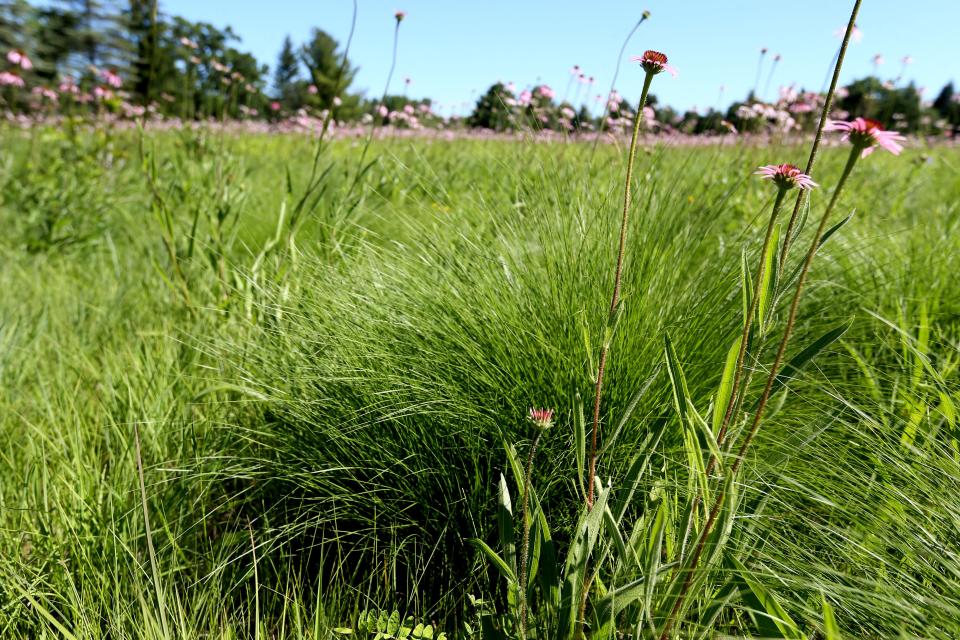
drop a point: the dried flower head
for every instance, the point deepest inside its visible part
(400, 15)
(654, 62)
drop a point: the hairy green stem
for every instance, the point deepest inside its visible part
(525, 547)
(771, 378)
(617, 282)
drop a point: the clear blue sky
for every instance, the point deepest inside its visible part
(453, 49)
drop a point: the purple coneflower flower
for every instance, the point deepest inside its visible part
(8, 79)
(400, 15)
(654, 62)
(786, 176)
(20, 59)
(542, 418)
(868, 134)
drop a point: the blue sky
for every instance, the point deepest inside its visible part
(453, 49)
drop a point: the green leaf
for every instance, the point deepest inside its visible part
(799, 361)
(498, 562)
(773, 620)
(678, 384)
(725, 390)
(831, 631)
(580, 442)
(767, 287)
(505, 523)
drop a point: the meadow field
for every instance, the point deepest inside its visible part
(252, 387)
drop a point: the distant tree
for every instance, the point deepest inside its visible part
(56, 39)
(493, 110)
(323, 61)
(13, 17)
(285, 76)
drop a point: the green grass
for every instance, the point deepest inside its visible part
(322, 428)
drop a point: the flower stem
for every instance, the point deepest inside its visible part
(748, 321)
(721, 493)
(824, 117)
(765, 397)
(525, 547)
(617, 282)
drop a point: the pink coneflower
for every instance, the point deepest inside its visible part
(868, 134)
(546, 92)
(878, 60)
(112, 78)
(312, 90)
(383, 111)
(275, 106)
(575, 70)
(20, 59)
(400, 15)
(786, 176)
(542, 418)
(654, 62)
(8, 79)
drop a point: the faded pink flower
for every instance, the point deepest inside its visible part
(867, 134)
(383, 111)
(546, 92)
(312, 90)
(575, 70)
(20, 59)
(878, 60)
(8, 79)
(786, 176)
(275, 106)
(542, 418)
(654, 62)
(112, 78)
(856, 35)
(337, 101)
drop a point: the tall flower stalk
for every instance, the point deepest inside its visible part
(613, 83)
(653, 63)
(861, 143)
(542, 420)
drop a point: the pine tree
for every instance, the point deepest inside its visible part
(320, 56)
(285, 76)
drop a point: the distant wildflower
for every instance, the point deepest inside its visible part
(312, 90)
(188, 43)
(777, 58)
(195, 60)
(407, 81)
(112, 78)
(786, 176)
(337, 101)
(542, 418)
(575, 70)
(275, 106)
(856, 35)
(878, 60)
(20, 59)
(763, 51)
(654, 62)
(907, 60)
(400, 15)
(646, 14)
(525, 97)
(383, 111)
(408, 109)
(546, 92)
(102, 93)
(868, 134)
(8, 79)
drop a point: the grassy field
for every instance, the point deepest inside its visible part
(250, 394)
